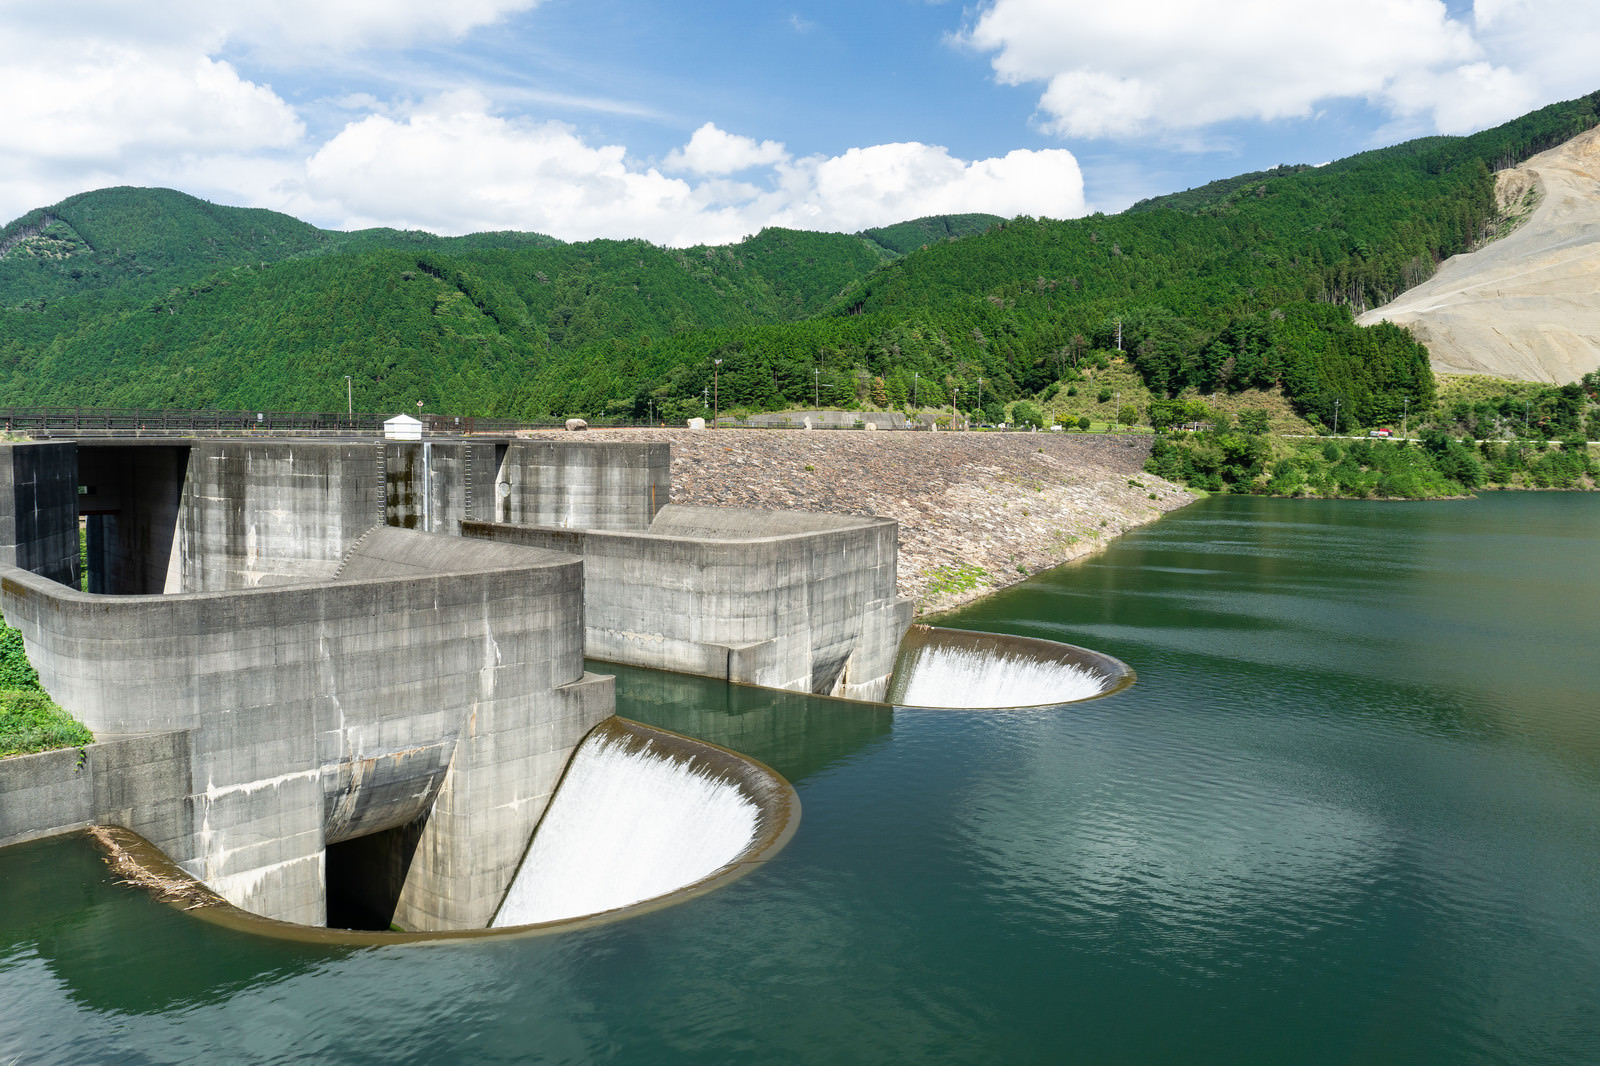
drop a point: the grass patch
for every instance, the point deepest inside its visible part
(30, 721)
(953, 579)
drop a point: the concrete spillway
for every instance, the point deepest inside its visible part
(955, 668)
(641, 814)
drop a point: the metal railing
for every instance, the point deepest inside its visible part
(176, 422)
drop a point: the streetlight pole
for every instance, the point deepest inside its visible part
(349, 402)
(716, 395)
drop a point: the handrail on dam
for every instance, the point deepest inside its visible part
(153, 422)
(47, 422)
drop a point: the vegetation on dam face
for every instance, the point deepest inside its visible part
(29, 720)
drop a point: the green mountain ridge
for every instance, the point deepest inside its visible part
(130, 297)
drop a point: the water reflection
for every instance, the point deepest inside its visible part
(113, 949)
(796, 734)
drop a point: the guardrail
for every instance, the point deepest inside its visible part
(172, 422)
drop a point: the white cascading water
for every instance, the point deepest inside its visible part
(626, 826)
(961, 677)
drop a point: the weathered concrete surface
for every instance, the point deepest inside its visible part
(38, 509)
(589, 484)
(122, 781)
(784, 599)
(207, 516)
(977, 511)
(272, 512)
(437, 676)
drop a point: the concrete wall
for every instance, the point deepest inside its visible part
(437, 675)
(582, 484)
(784, 599)
(39, 509)
(273, 512)
(208, 516)
(125, 781)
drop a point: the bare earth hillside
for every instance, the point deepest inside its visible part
(1526, 306)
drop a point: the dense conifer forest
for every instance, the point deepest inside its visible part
(141, 297)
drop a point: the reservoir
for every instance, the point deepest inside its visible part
(1349, 812)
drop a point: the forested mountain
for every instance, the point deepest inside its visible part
(145, 297)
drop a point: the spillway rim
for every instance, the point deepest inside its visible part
(141, 864)
(1118, 675)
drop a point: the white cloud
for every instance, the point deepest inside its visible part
(1142, 67)
(113, 102)
(453, 167)
(712, 151)
(887, 183)
(287, 30)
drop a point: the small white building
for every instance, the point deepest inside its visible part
(402, 427)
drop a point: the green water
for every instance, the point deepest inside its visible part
(1350, 813)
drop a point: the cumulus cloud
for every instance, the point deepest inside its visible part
(110, 102)
(1141, 67)
(110, 114)
(712, 151)
(452, 167)
(886, 183)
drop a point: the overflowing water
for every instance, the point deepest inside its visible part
(958, 668)
(962, 677)
(630, 822)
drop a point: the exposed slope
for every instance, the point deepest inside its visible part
(1526, 306)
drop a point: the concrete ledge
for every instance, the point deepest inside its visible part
(784, 599)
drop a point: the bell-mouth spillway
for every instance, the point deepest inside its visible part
(962, 669)
(774, 816)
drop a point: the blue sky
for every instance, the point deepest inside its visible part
(704, 120)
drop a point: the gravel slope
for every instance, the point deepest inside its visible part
(1009, 503)
(1526, 306)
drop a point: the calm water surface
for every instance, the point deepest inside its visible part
(1350, 813)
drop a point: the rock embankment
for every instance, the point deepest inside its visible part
(977, 511)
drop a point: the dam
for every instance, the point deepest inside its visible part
(335, 678)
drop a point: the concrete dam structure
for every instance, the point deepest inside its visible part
(310, 697)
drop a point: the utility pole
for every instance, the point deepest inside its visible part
(816, 388)
(955, 393)
(349, 403)
(914, 377)
(980, 399)
(1119, 334)
(1335, 416)
(1405, 420)
(716, 396)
